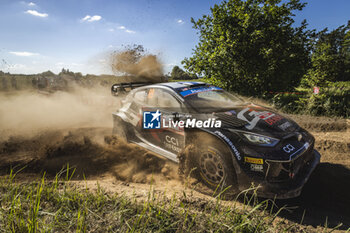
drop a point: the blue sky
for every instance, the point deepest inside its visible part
(40, 35)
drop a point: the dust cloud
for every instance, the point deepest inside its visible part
(29, 112)
(92, 152)
(44, 131)
(134, 61)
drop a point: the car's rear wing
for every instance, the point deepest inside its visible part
(123, 88)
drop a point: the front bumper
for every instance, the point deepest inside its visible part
(284, 189)
(292, 188)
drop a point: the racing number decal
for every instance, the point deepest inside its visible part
(288, 148)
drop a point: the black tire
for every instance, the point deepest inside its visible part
(212, 163)
(119, 128)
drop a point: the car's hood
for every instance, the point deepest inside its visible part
(258, 119)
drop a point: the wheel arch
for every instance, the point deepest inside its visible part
(191, 134)
(126, 125)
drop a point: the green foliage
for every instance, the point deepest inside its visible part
(251, 46)
(331, 101)
(330, 57)
(287, 103)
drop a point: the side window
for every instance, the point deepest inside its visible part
(166, 100)
(161, 99)
(152, 97)
(140, 96)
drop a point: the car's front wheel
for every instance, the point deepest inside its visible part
(212, 164)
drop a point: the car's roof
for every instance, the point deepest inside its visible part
(176, 87)
(179, 85)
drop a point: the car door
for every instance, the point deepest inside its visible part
(169, 136)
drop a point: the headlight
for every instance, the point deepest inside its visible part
(260, 139)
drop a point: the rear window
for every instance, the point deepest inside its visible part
(162, 99)
(140, 96)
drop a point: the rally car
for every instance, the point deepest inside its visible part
(236, 143)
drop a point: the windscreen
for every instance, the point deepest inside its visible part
(210, 99)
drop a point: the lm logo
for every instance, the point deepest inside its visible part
(151, 120)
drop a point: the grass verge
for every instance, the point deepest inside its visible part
(57, 205)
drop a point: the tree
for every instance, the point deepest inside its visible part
(330, 57)
(179, 74)
(251, 46)
(48, 73)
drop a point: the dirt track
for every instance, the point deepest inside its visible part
(326, 195)
(121, 167)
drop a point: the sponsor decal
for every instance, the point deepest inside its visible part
(172, 140)
(155, 120)
(256, 116)
(172, 143)
(253, 160)
(197, 90)
(234, 149)
(256, 168)
(285, 125)
(272, 120)
(151, 120)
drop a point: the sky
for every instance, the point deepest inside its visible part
(41, 35)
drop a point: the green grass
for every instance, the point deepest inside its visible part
(59, 206)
